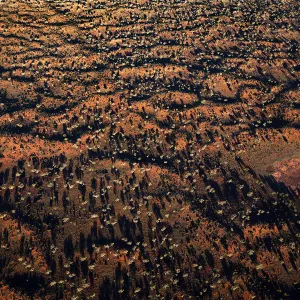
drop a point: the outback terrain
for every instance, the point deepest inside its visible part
(149, 149)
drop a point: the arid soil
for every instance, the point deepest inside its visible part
(149, 149)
